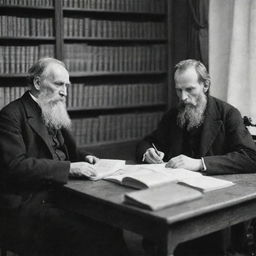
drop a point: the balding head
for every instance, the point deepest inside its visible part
(38, 69)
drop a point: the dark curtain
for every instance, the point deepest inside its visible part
(198, 30)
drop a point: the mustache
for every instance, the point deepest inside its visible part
(55, 101)
(183, 105)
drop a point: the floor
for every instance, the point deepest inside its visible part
(134, 243)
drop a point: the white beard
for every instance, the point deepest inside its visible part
(54, 113)
(191, 116)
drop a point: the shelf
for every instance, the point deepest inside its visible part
(116, 111)
(25, 7)
(98, 39)
(105, 143)
(117, 12)
(93, 74)
(141, 106)
(110, 143)
(12, 75)
(113, 149)
(26, 39)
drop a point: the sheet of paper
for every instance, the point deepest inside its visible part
(106, 167)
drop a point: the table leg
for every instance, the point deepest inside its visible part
(165, 250)
(166, 246)
(159, 248)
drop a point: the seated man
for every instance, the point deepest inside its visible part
(38, 155)
(202, 134)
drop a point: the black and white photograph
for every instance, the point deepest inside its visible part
(127, 127)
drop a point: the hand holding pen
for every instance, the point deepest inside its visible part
(153, 155)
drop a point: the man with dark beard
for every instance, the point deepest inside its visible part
(202, 134)
(38, 155)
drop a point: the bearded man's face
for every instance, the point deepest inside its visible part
(52, 97)
(192, 99)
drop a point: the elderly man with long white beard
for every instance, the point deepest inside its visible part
(202, 134)
(38, 155)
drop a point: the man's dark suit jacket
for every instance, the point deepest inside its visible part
(226, 145)
(26, 155)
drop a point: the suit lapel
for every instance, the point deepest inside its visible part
(35, 121)
(211, 127)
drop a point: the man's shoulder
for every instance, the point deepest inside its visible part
(222, 110)
(221, 105)
(12, 107)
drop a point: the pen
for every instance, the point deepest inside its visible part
(157, 152)
(155, 149)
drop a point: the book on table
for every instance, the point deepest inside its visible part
(152, 175)
(160, 197)
(205, 183)
(148, 175)
(160, 186)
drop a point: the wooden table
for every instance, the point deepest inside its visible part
(103, 201)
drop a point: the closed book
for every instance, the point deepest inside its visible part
(162, 196)
(206, 183)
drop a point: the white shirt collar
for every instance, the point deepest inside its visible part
(34, 98)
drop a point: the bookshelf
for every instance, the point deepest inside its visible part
(27, 33)
(117, 53)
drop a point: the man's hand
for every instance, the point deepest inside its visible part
(185, 162)
(152, 156)
(91, 159)
(81, 169)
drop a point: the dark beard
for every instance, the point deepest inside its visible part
(190, 116)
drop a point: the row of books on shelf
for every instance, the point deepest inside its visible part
(138, 58)
(152, 6)
(100, 96)
(18, 59)
(86, 58)
(87, 27)
(113, 128)
(111, 5)
(13, 26)
(10, 93)
(115, 95)
(31, 3)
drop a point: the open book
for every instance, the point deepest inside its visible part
(163, 196)
(152, 175)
